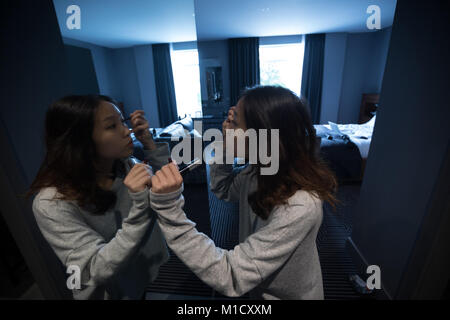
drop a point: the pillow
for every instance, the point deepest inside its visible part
(195, 134)
(173, 130)
(371, 122)
(187, 123)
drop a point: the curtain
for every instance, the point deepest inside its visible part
(244, 65)
(313, 73)
(165, 88)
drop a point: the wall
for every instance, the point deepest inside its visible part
(127, 75)
(217, 50)
(363, 70)
(104, 67)
(34, 74)
(353, 65)
(214, 50)
(81, 70)
(409, 145)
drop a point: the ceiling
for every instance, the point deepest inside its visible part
(125, 23)
(217, 19)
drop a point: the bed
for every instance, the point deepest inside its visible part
(346, 146)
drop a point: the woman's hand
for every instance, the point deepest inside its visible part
(229, 123)
(138, 178)
(140, 127)
(167, 180)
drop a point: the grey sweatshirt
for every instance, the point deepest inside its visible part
(276, 258)
(119, 252)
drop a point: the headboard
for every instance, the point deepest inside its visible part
(369, 104)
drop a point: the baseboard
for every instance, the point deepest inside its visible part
(361, 265)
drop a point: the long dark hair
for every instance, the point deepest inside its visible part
(70, 152)
(300, 164)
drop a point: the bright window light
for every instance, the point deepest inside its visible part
(281, 64)
(186, 76)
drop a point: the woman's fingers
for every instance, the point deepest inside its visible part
(226, 124)
(167, 180)
(134, 170)
(231, 113)
(139, 124)
(138, 120)
(137, 169)
(138, 178)
(141, 127)
(145, 181)
(165, 177)
(145, 173)
(156, 183)
(175, 172)
(162, 176)
(137, 117)
(137, 112)
(170, 177)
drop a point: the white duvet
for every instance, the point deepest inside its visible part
(359, 134)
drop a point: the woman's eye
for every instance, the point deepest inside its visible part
(111, 126)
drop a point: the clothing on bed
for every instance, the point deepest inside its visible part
(359, 134)
(344, 146)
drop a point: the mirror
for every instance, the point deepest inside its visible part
(333, 54)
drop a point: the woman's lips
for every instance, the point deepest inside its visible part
(130, 143)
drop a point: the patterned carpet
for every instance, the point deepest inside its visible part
(335, 263)
(175, 278)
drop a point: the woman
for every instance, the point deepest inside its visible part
(91, 205)
(280, 214)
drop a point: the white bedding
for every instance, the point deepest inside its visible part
(359, 134)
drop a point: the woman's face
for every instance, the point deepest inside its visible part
(111, 136)
(238, 122)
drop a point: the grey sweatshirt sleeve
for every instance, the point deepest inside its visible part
(76, 243)
(233, 272)
(225, 181)
(157, 157)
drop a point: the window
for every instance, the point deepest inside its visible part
(186, 77)
(281, 64)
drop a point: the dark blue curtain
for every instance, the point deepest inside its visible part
(165, 88)
(244, 65)
(312, 73)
